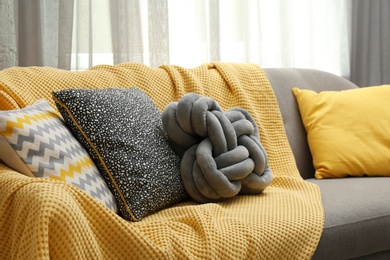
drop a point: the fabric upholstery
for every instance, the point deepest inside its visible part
(286, 220)
(357, 217)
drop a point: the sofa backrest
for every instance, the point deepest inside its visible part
(282, 81)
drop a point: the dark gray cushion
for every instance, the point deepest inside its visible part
(122, 131)
(282, 81)
(357, 217)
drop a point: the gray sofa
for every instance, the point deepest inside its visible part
(357, 210)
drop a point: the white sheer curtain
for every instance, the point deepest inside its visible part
(277, 33)
(311, 34)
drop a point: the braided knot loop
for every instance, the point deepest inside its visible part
(221, 151)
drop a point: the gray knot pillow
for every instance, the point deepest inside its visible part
(221, 154)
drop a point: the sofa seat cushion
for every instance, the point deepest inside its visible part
(357, 223)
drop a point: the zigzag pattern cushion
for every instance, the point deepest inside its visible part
(41, 145)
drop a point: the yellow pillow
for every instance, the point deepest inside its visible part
(348, 131)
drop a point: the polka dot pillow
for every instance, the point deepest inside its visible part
(122, 131)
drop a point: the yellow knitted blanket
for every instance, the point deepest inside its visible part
(42, 218)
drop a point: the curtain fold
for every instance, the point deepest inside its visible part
(158, 32)
(65, 27)
(126, 27)
(370, 48)
(82, 35)
(8, 48)
(44, 32)
(214, 30)
(30, 35)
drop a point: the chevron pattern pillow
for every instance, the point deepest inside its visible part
(35, 141)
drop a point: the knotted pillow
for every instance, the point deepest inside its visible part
(221, 154)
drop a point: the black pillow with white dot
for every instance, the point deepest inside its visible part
(122, 131)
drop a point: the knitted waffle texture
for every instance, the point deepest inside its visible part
(41, 218)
